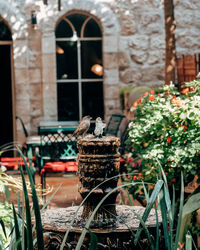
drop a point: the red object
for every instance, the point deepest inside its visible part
(122, 160)
(151, 98)
(185, 127)
(69, 166)
(169, 139)
(13, 162)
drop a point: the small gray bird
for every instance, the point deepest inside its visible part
(83, 126)
(99, 126)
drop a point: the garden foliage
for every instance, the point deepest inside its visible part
(166, 127)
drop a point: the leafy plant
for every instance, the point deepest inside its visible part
(166, 126)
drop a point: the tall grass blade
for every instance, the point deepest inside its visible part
(28, 213)
(157, 228)
(145, 193)
(165, 221)
(24, 233)
(93, 241)
(7, 192)
(142, 223)
(188, 242)
(39, 230)
(168, 204)
(173, 204)
(17, 232)
(180, 213)
(3, 227)
(18, 203)
(149, 206)
(192, 204)
(169, 208)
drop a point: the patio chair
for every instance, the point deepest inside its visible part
(57, 152)
(114, 124)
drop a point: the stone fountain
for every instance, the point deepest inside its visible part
(98, 163)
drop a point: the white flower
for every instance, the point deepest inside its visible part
(3, 168)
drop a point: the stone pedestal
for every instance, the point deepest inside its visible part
(98, 164)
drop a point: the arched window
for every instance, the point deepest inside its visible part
(79, 68)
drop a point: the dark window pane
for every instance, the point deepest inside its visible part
(6, 124)
(92, 102)
(63, 30)
(5, 34)
(91, 54)
(92, 29)
(68, 107)
(77, 20)
(66, 55)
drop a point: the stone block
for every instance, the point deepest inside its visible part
(111, 77)
(110, 44)
(34, 75)
(111, 92)
(36, 108)
(139, 42)
(22, 91)
(20, 55)
(20, 52)
(23, 108)
(48, 44)
(138, 56)
(123, 61)
(110, 61)
(21, 75)
(35, 44)
(48, 74)
(47, 58)
(131, 76)
(153, 73)
(156, 56)
(35, 92)
(123, 43)
(34, 60)
(157, 42)
(50, 100)
(128, 27)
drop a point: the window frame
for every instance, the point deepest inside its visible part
(77, 39)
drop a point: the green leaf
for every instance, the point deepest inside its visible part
(39, 229)
(3, 227)
(164, 220)
(180, 213)
(28, 212)
(188, 243)
(192, 204)
(149, 206)
(17, 232)
(93, 241)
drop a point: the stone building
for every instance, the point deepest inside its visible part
(49, 56)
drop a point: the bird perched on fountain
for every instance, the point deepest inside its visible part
(99, 126)
(83, 126)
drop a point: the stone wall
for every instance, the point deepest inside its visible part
(133, 49)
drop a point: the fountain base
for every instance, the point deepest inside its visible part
(121, 236)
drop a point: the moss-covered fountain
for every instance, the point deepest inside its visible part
(114, 225)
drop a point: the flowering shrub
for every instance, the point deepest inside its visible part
(166, 129)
